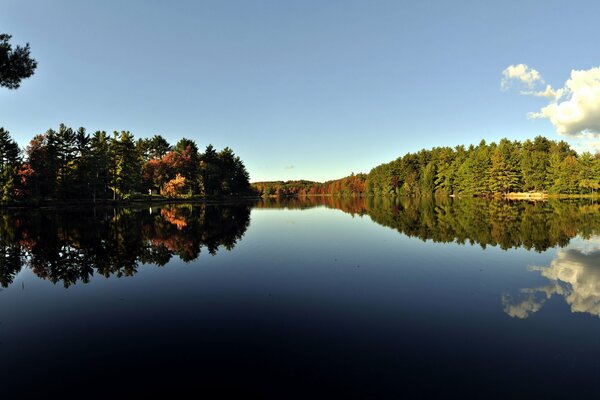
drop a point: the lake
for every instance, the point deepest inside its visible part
(297, 298)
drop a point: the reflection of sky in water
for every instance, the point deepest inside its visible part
(573, 274)
(319, 296)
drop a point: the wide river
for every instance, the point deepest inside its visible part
(304, 298)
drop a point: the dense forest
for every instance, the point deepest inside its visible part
(71, 164)
(539, 165)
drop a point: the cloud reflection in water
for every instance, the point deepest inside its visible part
(573, 274)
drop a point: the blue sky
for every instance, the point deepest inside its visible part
(298, 89)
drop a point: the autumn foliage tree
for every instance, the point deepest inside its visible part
(70, 164)
(176, 187)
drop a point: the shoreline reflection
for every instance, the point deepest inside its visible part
(69, 246)
(532, 225)
(72, 245)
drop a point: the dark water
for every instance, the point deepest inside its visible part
(336, 298)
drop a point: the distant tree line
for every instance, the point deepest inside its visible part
(350, 185)
(539, 165)
(71, 164)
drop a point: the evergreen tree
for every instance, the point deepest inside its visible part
(99, 164)
(210, 175)
(82, 168)
(124, 165)
(10, 159)
(15, 64)
(427, 184)
(66, 150)
(587, 179)
(503, 176)
(188, 162)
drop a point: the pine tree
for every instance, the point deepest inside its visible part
(124, 165)
(99, 164)
(10, 159)
(209, 171)
(503, 175)
(587, 179)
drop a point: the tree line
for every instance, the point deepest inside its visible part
(71, 164)
(350, 185)
(538, 165)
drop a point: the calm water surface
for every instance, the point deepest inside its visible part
(325, 297)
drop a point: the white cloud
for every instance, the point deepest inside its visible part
(548, 92)
(522, 73)
(579, 112)
(574, 109)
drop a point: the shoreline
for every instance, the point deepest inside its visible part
(146, 201)
(133, 202)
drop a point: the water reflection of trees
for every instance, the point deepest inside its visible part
(574, 274)
(349, 204)
(72, 245)
(508, 224)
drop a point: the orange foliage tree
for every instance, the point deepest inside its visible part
(176, 187)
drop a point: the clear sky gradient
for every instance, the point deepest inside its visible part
(298, 89)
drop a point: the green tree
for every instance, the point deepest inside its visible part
(82, 175)
(66, 151)
(125, 165)
(427, 184)
(99, 164)
(503, 175)
(534, 163)
(153, 148)
(10, 160)
(210, 174)
(446, 172)
(187, 162)
(15, 64)
(587, 179)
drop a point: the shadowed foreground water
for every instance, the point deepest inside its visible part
(317, 297)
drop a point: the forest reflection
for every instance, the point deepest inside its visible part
(574, 274)
(533, 225)
(70, 245)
